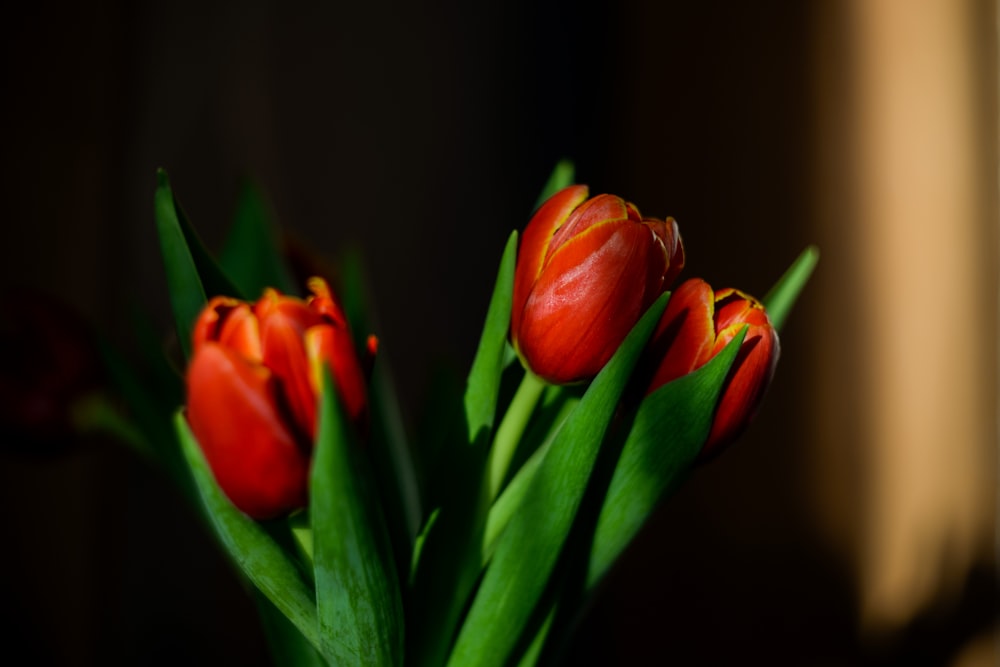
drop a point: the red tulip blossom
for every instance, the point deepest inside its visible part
(586, 271)
(697, 325)
(253, 386)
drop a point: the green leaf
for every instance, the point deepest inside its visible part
(187, 295)
(507, 504)
(562, 176)
(782, 297)
(248, 544)
(666, 435)
(286, 643)
(251, 255)
(418, 545)
(192, 274)
(527, 552)
(357, 592)
(483, 385)
(152, 413)
(391, 456)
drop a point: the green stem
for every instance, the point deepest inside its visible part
(511, 429)
(508, 502)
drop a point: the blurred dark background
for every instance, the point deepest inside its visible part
(853, 524)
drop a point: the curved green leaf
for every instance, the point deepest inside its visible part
(527, 551)
(192, 274)
(667, 433)
(357, 592)
(483, 385)
(287, 645)
(782, 297)
(249, 545)
(251, 255)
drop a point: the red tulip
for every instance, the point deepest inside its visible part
(586, 272)
(253, 386)
(695, 327)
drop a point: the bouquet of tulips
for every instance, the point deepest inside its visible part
(593, 392)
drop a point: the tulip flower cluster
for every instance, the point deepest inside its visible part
(253, 385)
(484, 557)
(589, 268)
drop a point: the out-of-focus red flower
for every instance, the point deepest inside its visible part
(252, 392)
(586, 271)
(697, 324)
(51, 365)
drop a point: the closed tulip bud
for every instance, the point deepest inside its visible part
(696, 325)
(253, 386)
(587, 270)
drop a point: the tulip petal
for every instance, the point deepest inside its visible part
(685, 338)
(283, 323)
(594, 211)
(675, 251)
(535, 243)
(240, 331)
(590, 293)
(746, 384)
(235, 417)
(331, 346)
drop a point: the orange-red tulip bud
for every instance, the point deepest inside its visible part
(253, 386)
(586, 271)
(697, 324)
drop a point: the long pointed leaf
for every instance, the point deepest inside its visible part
(530, 546)
(187, 294)
(392, 459)
(483, 385)
(288, 647)
(192, 274)
(669, 429)
(251, 254)
(782, 297)
(357, 592)
(249, 545)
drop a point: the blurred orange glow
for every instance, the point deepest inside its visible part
(924, 228)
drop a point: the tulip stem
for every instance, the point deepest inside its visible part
(508, 502)
(511, 429)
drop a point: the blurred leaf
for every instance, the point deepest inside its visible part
(192, 275)
(251, 255)
(391, 455)
(450, 555)
(532, 654)
(354, 296)
(286, 643)
(666, 435)
(483, 384)
(782, 297)
(562, 176)
(357, 592)
(418, 545)
(152, 415)
(527, 552)
(249, 545)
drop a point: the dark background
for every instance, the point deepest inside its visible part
(419, 133)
